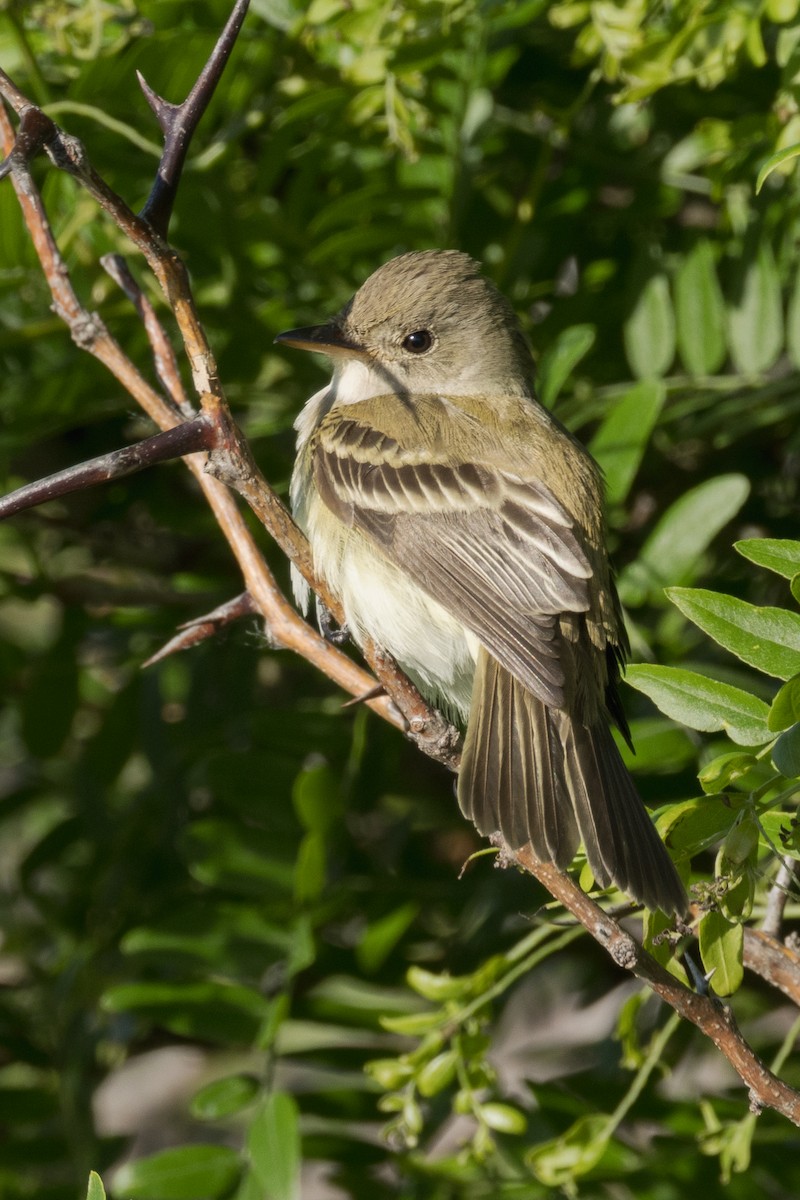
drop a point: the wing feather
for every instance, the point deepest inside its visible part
(497, 550)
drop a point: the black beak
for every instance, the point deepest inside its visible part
(321, 339)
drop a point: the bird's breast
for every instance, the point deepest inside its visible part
(383, 604)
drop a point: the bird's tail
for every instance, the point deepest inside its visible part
(538, 776)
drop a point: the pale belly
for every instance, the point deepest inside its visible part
(381, 603)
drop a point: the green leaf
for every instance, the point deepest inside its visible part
(740, 841)
(654, 925)
(187, 1173)
(273, 1143)
(316, 796)
(95, 1190)
(224, 1097)
(781, 555)
(437, 987)
(649, 331)
(783, 833)
(661, 747)
(718, 775)
(560, 360)
(621, 440)
(310, 871)
(388, 1073)
(381, 937)
(502, 1118)
(775, 160)
(675, 546)
(721, 946)
(702, 703)
(694, 825)
(756, 315)
(786, 753)
(571, 1155)
(766, 638)
(700, 311)
(415, 1024)
(785, 708)
(437, 1073)
(209, 1009)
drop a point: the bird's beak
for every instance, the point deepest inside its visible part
(321, 339)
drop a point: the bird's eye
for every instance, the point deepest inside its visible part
(419, 341)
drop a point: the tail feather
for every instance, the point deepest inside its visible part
(540, 777)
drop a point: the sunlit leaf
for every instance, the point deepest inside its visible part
(700, 311)
(702, 703)
(556, 1162)
(649, 331)
(775, 160)
(273, 1143)
(622, 438)
(560, 360)
(681, 535)
(193, 1172)
(724, 770)
(721, 947)
(781, 555)
(95, 1190)
(766, 638)
(694, 825)
(756, 314)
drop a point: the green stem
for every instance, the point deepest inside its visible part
(657, 1047)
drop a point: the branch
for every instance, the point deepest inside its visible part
(774, 961)
(713, 1018)
(187, 438)
(286, 627)
(179, 121)
(778, 895)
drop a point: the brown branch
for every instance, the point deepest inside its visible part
(711, 1017)
(179, 121)
(200, 628)
(164, 360)
(778, 895)
(774, 961)
(186, 438)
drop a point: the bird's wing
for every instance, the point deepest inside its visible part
(496, 550)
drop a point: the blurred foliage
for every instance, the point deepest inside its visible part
(235, 940)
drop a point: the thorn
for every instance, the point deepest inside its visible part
(372, 694)
(162, 108)
(199, 629)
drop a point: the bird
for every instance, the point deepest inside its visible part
(461, 526)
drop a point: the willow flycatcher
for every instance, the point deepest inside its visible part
(462, 528)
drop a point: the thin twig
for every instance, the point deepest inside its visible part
(164, 360)
(778, 895)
